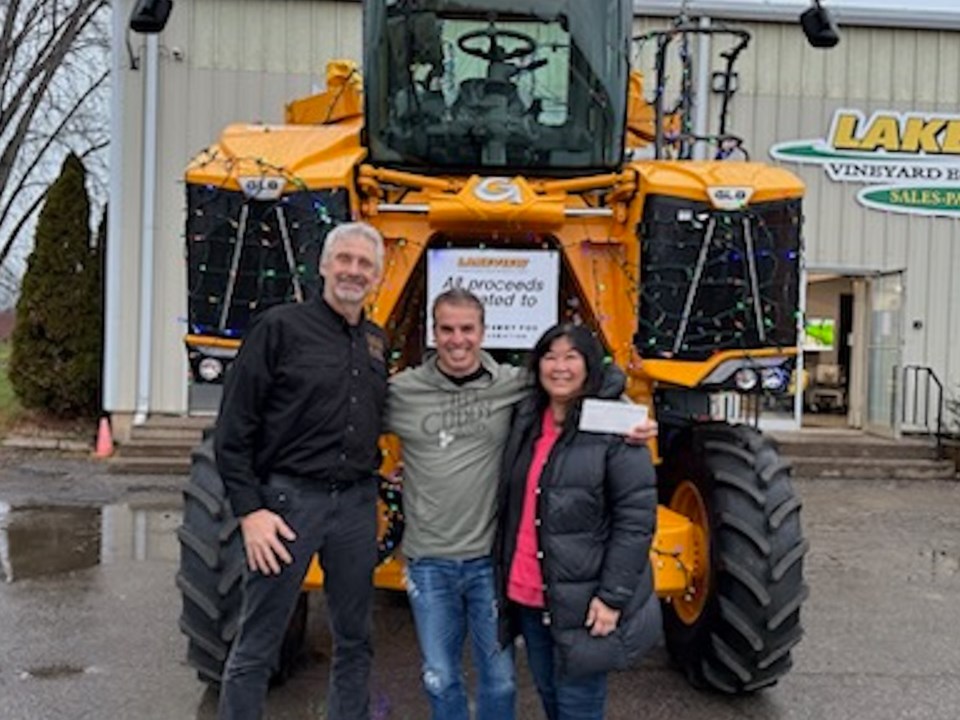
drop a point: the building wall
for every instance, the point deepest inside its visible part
(789, 91)
(221, 61)
(224, 61)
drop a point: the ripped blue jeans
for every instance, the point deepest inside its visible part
(448, 599)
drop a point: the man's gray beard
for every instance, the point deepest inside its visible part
(350, 296)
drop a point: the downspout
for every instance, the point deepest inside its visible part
(798, 368)
(147, 229)
(114, 256)
(702, 98)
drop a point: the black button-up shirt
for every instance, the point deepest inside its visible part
(305, 398)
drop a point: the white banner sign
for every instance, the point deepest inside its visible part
(518, 288)
(910, 162)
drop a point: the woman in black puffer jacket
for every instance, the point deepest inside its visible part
(577, 512)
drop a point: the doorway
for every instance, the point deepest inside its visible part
(827, 348)
(851, 350)
(884, 351)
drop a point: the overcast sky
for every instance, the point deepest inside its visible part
(937, 5)
(937, 14)
(953, 5)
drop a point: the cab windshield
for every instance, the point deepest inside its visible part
(452, 89)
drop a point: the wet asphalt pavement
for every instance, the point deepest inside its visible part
(88, 612)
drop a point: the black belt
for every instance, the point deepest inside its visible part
(329, 483)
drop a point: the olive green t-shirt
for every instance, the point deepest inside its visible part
(453, 438)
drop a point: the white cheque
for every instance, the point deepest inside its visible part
(611, 416)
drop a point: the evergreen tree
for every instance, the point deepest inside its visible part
(55, 362)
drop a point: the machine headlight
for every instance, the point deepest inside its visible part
(745, 379)
(210, 369)
(773, 379)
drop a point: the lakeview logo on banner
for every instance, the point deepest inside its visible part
(910, 160)
(519, 290)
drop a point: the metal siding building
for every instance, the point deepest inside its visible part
(219, 62)
(873, 69)
(225, 61)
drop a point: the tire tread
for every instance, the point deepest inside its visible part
(743, 639)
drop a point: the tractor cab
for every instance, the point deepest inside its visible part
(458, 87)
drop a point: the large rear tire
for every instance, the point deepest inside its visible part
(735, 631)
(211, 570)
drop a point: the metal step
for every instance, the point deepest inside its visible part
(166, 433)
(845, 443)
(153, 448)
(872, 468)
(854, 451)
(161, 446)
(124, 465)
(186, 422)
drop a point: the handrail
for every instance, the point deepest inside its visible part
(923, 374)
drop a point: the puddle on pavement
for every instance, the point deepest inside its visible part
(52, 672)
(46, 540)
(41, 471)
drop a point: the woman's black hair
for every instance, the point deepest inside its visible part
(585, 343)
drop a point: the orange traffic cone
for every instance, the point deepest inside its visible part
(104, 448)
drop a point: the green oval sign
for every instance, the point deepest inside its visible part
(913, 199)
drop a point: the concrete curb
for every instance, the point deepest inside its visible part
(25, 442)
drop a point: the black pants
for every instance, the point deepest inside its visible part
(340, 525)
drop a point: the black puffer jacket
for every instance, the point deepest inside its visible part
(597, 509)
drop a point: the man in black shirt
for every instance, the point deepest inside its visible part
(296, 445)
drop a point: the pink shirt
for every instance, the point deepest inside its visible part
(525, 584)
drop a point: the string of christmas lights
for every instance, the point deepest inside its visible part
(245, 255)
(391, 509)
(723, 313)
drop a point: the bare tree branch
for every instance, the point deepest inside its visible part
(10, 50)
(24, 219)
(52, 45)
(94, 148)
(51, 138)
(59, 45)
(54, 68)
(6, 53)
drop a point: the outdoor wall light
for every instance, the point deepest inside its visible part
(819, 26)
(150, 16)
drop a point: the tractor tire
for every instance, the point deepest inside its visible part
(734, 633)
(211, 572)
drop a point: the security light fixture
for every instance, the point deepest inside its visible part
(819, 26)
(150, 16)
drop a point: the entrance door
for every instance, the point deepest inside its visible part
(884, 351)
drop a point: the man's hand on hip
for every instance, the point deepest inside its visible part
(263, 534)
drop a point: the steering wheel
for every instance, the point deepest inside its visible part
(493, 52)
